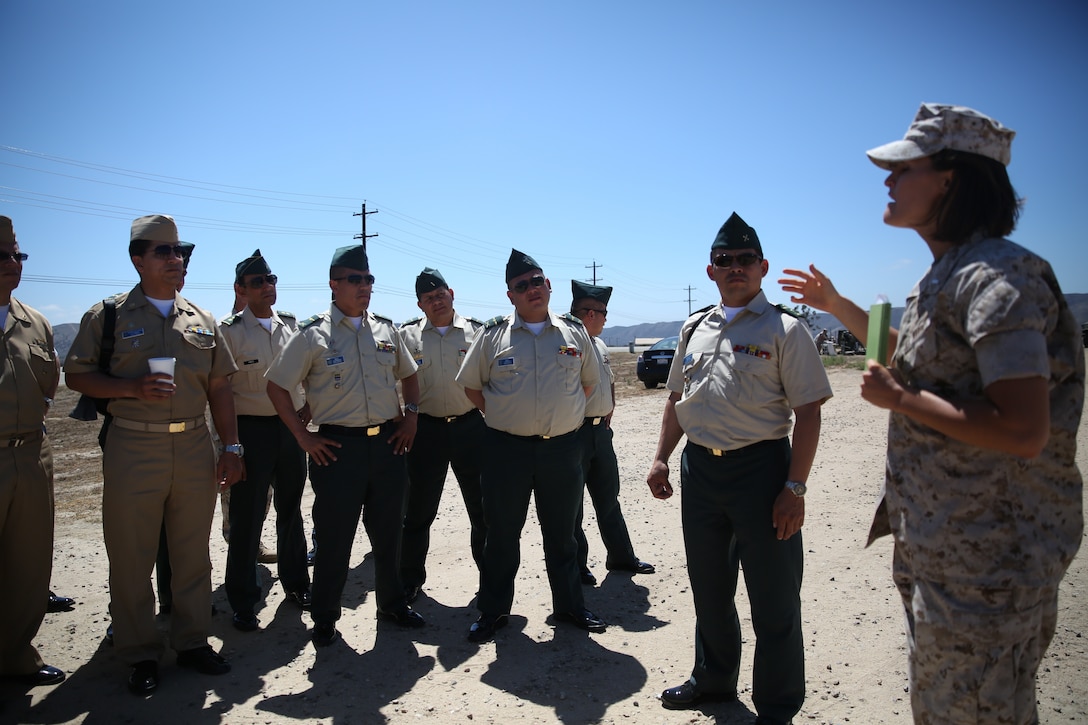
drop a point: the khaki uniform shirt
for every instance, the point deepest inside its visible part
(740, 380)
(28, 370)
(189, 334)
(254, 348)
(600, 402)
(987, 310)
(439, 358)
(350, 376)
(532, 384)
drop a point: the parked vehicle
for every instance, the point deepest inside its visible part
(653, 365)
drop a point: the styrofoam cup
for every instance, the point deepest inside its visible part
(162, 365)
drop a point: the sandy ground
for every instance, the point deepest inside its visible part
(534, 672)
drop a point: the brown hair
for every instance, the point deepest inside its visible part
(980, 197)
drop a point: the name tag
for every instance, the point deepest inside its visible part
(335, 360)
(129, 334)
(689, 359)
(250, 362)
(419, 361)
(505, 361)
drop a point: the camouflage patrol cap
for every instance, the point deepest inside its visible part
(938, 126)
(253, 264)
(736, 234)
(7, 230)
(186, 253)
(581, 291)
(352, 257)
(520, 263)
(154, 228)
(428, 280)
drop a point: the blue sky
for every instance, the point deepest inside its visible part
(615, 133)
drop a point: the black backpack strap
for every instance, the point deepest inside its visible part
(691, 330)
(109, 327)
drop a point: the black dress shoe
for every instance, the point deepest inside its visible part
(302, 598)
(109, 634)
(245, 621)
(584, 619)
(484, 628)
(412, 592)
(686, 696)
(144, 677)
(324, 635)
(636, 567)
(204, 660)
(405, 617)
(46, 675)
(587, 578)
(60, 604)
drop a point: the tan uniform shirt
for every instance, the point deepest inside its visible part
(188, 333)
(350, 375)
(254, 348)
(532, 384)
(439, 358)
(740, 380)
(28, 370)
(600, 401)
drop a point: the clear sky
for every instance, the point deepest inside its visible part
(616, 133)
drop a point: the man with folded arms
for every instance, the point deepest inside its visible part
(159, 463)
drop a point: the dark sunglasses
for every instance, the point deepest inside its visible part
(602, 313)
(747, 259)
(165, 251)
(259, 281)
(356, 279)
(16, 256)
(525, 284)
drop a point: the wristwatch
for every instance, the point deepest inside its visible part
(797, 488)
(235, 448)
(411, 408)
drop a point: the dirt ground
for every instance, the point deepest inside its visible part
(533, 672)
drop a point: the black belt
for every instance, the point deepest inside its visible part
(541, 438)
(451, 418)
(752, 448)
(259, 418)
(22, 439)
(351, 431)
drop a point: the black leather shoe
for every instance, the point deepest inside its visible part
(637, 567)
(302, 598)
(484, 628)
(245, 621)
(144, 677)
(587, 578)
(46, 675)
(412, 592)
(324, 635)
(204, 660)
(584, 619)
(405, 617)
(60, 604)
(109, 634)
(686, 696)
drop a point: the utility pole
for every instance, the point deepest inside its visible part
(364, 236)
(594, 268)
(690, 290)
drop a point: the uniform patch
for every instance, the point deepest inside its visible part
(383, 346)
(689, 359)
(753, 351)
(199, 330)
(334, 360)
(503, 362)
(570, 351)
(129, 334)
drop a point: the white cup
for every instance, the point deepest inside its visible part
(162, 365)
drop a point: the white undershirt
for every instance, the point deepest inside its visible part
(163, 306)
(357, 321)
(536, 327)
(266, 323)
(443, 330)
(731, 312)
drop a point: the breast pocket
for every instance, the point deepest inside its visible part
(42, 361)
(570, 371)
(251, 370)
(506, 372)
(755, 380)
(196, 353)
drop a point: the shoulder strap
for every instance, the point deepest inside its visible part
(109, 327)
(691, 330)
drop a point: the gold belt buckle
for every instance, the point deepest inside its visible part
(177, 427)
(373, 431)
(715, 451)
(451, 418)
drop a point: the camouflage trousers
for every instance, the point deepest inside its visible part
(974, 652)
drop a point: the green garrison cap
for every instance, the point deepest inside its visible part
(7, 231)
(581, 291)
(429, 279)
(736, 234)
(186, 252)
(520, 263)
(253, 264)
(353, 257)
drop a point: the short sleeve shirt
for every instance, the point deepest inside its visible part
(739, 380)
(532, 384)
(188, 333)
(350, 376)
(254, 348)
(987, 310)
(439, 357)
(600, 401)
(28, 370)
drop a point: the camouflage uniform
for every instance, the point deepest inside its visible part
(982, 538)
